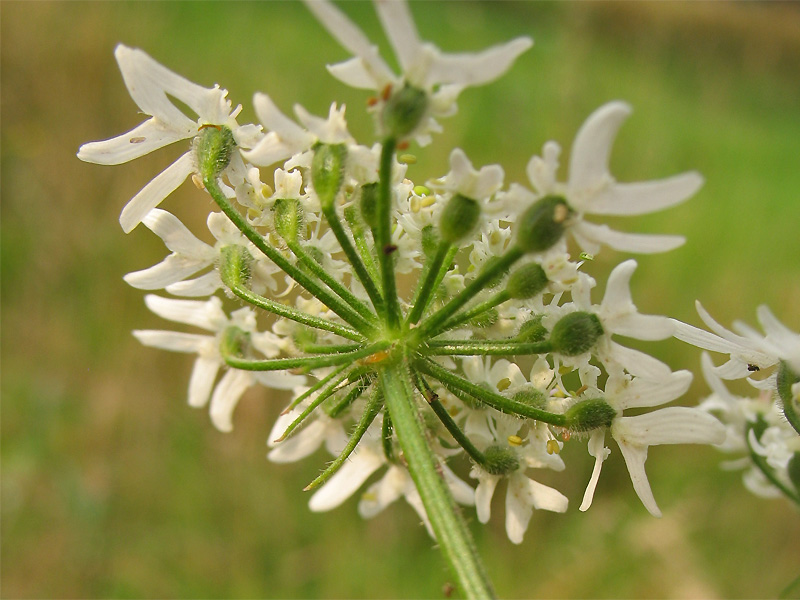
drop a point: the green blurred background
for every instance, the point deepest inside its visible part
(113, 487)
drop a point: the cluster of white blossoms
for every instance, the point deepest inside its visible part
(491, 338)
(764, 429)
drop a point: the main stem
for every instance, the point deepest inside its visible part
(448, 525)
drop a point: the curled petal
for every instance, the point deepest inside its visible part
(208, 315)
(588, 165)
(645, 197)
(635, 457)
(590, 236)
(202, 380)
(226, 396)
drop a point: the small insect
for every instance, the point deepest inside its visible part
(137, 139)
(753, 368)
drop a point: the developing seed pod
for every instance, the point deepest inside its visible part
(213, 147)
(404, 111)
(499, 460)
(531, 397)
(588, 415)
(543, 224)
(527, 282)
(234, 342)
(327, 171)
(288, 218)
(234, 265)
(369, 204)
(576, 333)
(532, 330)
(459, 218)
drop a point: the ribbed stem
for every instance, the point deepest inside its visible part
(383, 241)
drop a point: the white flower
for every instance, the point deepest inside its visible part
(210, 316)
(634, 435)
(747, 348)
(150, 85)
(465, 180)
(592, 190)
(441, 76)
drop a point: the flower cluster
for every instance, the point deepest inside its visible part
(498, 353)
(765, 430)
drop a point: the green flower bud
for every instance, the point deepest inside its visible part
(576, 333)
(543, 224)
(234, 342)
(369, 204)
(213, 148)
(430, 241)
(527, 282)
(532, 330)
(531, 397)
(794, 470)
(499, 460)
(459, 218)
(404, 111)
(589, 414)
(234, 265)
(289, 219)
(327, 171)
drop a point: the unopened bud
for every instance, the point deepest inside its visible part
(527, 282)
(485, 319)
(543, 224)
(327, 171)
(369, 204)
(576, 333)
(288, 218)
(499, 460)
(234, 265)
(404, 111)
(532, 330)
(213, 147)
(589, 415)
(459, 218)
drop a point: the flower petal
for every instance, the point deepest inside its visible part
(176, 235)
(226, 396)
(142, 139)
(479, 67)
(588, 165)
(673, 425)
(344, 483)
(645, 197)
(173, 268)
(202, 380)
(635, 457)
(208, 315)
(154, 192)
(600, 452)
(401, 31)
(174, 341)
(202, 286)
(628, 242)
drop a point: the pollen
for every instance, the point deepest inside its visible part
(503, 384)
(408, 159)
(553, 447)
(514, 440)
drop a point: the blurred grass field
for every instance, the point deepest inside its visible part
(113, 487)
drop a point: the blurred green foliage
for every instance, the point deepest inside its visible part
(112, 487)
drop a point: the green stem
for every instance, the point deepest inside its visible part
(326, 278)
(328, 299)
(383, 241)
(332, 349)
(477, 285)
(496, 401)
(316, 387)
(426, 290)
(361, 386)
(761, 463)
(387, 431)
(296, 315)
(360, 240)
(361, 272)
(367, 417)
(485, 348)
(473, 312)
(448, 422)
(445, 517)
(304, 362)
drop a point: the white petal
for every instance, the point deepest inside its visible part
(350, 37)
(461, 490)
(635, 457)
(383, 493)
(274, 120)
(173, 268)
(149, 83)
(638, 363)
(629, 242)
(208, 315)
(176, 235)
(301, 444)
(673, 425)
(588, 164)
(483, 495)
(522, 496)
(154, 192)
(645, 197)
(642, 392)
(202, 286)
(174, 341)
(643, 327)
(600, 452)
(479, 67)
(344, 483)
(280, 380)
(226, 396)
(400, 29)
(202, 381)
(353, 72)
(142, 139)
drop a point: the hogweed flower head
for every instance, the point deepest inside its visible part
(400, 382)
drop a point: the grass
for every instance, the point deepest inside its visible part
(112, 487)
